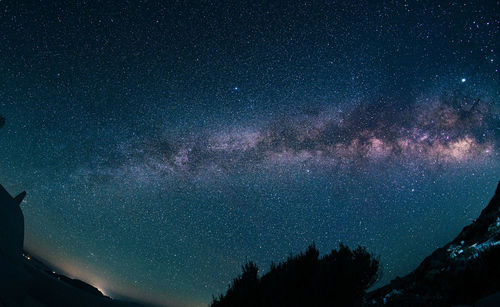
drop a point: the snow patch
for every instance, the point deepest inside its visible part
(472, 251)
(392, 293)
(485, 245)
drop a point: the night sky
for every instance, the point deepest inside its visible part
(164, 145)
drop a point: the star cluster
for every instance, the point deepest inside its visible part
(163, 145)
(436, 131)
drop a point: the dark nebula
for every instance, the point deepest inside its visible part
(163, 145)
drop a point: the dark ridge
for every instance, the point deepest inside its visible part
(472, 233)
(461, 272)
(27, 281)
(77, 284)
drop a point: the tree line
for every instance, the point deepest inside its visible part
(339, 278)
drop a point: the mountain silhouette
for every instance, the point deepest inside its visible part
(26, 281)
(466, 271)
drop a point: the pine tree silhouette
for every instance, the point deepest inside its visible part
(337, 279)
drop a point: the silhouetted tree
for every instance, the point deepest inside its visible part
(337, 279)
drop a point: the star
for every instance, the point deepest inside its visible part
(183, 140)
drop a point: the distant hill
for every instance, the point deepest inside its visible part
(26, 281)
(35, 263)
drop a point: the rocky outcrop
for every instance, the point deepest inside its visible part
(461, 272)
(11, 224)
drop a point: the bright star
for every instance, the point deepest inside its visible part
(463, 80)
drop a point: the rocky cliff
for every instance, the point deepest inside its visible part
(461, 272)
